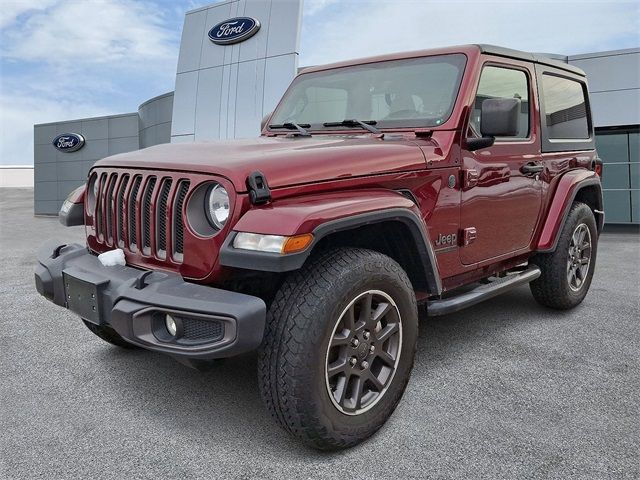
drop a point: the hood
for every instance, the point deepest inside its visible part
(284, 161)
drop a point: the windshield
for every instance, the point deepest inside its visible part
(417, 92)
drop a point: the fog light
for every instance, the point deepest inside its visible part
(172, 326)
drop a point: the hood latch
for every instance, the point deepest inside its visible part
(259, 192)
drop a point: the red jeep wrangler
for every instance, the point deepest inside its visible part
(438, 178)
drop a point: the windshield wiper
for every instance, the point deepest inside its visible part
(367, 124)
(301, 128)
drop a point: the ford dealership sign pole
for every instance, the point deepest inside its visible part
(234, 30)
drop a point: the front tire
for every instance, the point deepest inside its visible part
(339, 347)
(567, 271)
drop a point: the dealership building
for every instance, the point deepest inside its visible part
(237, 58)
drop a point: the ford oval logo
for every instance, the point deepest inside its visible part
(68, 142)
(234, 30)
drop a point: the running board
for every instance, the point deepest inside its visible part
(481, 293)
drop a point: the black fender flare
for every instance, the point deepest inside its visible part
(274, 262)
(568, 202)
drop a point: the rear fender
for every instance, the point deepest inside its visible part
(323, 215)
(568, 188)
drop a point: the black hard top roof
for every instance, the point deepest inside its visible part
(530, 57)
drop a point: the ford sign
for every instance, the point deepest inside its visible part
(234, 30)
(68, 142)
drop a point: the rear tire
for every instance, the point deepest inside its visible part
(108, 334)
(567, 271)
(320, 384)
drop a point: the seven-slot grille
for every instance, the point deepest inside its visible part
(140, 212)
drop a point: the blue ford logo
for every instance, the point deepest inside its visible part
(68, 142)
(234, 30)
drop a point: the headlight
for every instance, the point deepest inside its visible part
(272, 243)
(217, 206)
(261, 243)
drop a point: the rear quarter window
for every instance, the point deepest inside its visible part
(565, 108)
(565, 114)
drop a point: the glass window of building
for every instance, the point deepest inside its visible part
(620, 153)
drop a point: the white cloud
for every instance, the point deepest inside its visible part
(363, 28)
(66, 59)
(12, 9)
(313, 7)
(91, 32)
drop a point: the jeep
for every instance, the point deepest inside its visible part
(433, 179)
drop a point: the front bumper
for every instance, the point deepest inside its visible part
(214, 323)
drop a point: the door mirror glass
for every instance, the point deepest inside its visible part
(499, 117)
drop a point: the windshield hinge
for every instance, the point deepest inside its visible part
(259, 192)
(423, 133)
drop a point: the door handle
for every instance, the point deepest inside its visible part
(532, 168)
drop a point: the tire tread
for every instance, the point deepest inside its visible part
(287, 321)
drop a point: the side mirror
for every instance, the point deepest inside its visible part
(264, 121)
(498, 118)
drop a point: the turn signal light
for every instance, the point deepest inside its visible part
(272, 243)
(297, 243)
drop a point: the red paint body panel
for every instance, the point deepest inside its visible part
(504, 205)
(303, 214)
(284, 161)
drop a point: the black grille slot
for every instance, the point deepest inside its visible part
(108, 207)
(205, 330)
(132, 212)
(161, 217)
(100, 206)
(178, 225)
(120, 209)
(146, 214)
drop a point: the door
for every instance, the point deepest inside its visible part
(501, 187)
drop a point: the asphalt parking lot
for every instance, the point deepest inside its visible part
(507, 389)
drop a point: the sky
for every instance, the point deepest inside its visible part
(66, 59)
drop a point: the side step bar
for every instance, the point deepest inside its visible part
(481, 293)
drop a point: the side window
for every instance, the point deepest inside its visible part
(499, 82)
(565, 108)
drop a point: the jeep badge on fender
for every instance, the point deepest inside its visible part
(446, 239)
(307, 243)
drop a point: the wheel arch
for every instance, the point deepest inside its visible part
(582, 186)
(397, 232)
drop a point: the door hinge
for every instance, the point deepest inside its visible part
(469, 235)
(469, 178)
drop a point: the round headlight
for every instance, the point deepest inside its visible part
(217, 206)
